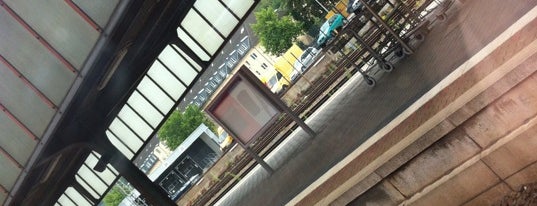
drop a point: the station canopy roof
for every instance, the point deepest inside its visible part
(50, 49)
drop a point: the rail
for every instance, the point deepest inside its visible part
(404, 18)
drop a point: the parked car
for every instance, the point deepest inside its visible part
(294, 74)
(330, 29)
(306, 59)
(224, 139)
(356, 6)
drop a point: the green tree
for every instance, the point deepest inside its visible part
(115, 196)
(309, 12)
(276, 4)
(180, 124)
(275, 34)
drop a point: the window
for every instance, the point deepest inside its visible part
(279, 75)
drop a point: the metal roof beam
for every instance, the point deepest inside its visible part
(87, 183)
(84, 16)
(3, 189)
(148, 30)
(80, 189)
(126, 168)
(18, 122)
(8, 156)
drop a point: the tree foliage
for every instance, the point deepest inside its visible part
(275, 34)
(309, 12)
(181, 124)
(276, 4)
(114, 196)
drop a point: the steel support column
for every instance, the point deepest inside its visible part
(153, 193)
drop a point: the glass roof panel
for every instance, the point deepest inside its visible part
(87, 187)
(91, 160)
(189, 59)
(125, 134)
(202, 32)
(142, 106)
(177, 65)
(75, 196)
(9, 172)
(92, 179)
(120, 146)
(107, 175)
(135, 122)
(98, 10)
(218, 15)
(155, 95)
(23, 103)
(97, 155)
(35, 62)
(17, 143)
(64, 201)
(192, 45)
(166, 80)
(239, 7)
(60, 26)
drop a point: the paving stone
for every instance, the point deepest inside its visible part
(504, 115)
(524, 176)
(433, 163)
(493, 93)
(461, 188)
(515, 155)
(415, 148)
(491, 196)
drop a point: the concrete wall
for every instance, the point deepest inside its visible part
(468, 141)
(475, 156)
(476, 163)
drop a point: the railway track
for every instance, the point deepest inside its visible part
(403, 13)
(272, 137)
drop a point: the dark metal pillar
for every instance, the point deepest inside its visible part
(149, 190)
(154, 194)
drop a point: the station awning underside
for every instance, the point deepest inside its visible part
(87, 83)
